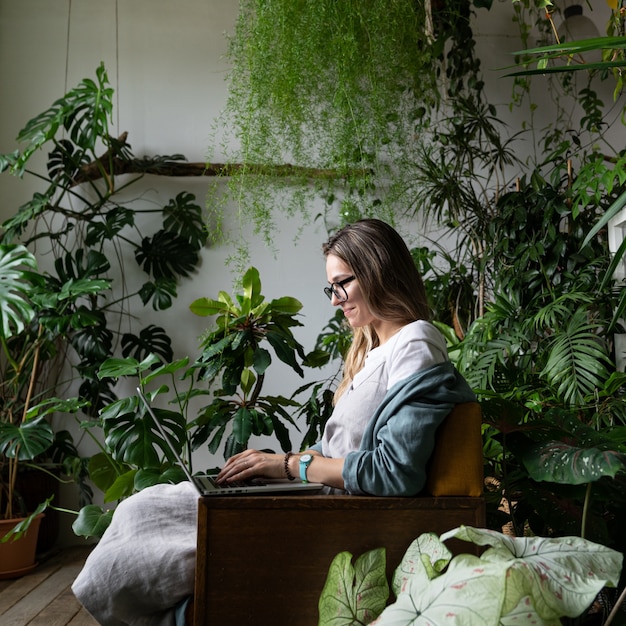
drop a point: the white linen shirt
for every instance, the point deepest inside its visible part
(416, 346)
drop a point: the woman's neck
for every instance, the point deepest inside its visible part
(385, 330)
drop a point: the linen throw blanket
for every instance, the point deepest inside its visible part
(144, 565)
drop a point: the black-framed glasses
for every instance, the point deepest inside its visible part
(338, 289)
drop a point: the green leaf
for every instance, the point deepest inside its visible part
(16, 286)
(116, 368)
(151, 341)
(162, 293)
(242, 426)
(84, 111)
(354, 594)
(166, 369)
(22, 527)
(284, 350)
(251, 284)
(55, 405)
(562, 576)
(578, 360)
(205, 307)
(287, 305)
(92, 521)
(103, 471)
(122, 487)
(247, 381)
(166, 255)
(184, 217)
(25, 441)
(115, 220)
(133, 438)
(561, 463)
(261, 360)
(147, 477)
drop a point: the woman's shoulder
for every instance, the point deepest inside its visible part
(420, 330)
(416, 346)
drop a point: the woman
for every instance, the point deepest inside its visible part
(398, 384)
(397, 387)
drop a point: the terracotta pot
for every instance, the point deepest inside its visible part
(18, 557)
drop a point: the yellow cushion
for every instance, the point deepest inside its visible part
(456, 465)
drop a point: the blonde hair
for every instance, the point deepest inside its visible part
(389, 281)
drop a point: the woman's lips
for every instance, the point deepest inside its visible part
(348, 311)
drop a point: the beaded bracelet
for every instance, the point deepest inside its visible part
(288, 474)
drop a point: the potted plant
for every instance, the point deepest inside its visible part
(30, 316)
(62, 324)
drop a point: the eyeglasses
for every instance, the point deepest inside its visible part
(338, 289)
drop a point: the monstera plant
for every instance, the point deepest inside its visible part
(88, 227)
(35, 315)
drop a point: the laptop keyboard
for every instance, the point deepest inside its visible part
(210, 482)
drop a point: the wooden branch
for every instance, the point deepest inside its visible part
(110, 163)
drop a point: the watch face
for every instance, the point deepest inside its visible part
(305, 458)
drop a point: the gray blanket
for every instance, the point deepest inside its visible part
(144, 565)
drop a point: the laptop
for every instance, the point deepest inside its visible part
(207, 485)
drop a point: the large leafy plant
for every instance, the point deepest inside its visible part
(229, 371)
(236, 356)
(35, 316)
(84, 221)
(516, 580)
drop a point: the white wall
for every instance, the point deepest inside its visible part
(165, 60)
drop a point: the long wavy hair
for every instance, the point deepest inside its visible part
(389, 281)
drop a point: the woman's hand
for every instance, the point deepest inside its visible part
(250, 464)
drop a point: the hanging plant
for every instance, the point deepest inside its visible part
(342, 89)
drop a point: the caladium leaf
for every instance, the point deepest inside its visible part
(471, 593)
(354, 594)
(562, 575)
(524, 613)
(424, 560)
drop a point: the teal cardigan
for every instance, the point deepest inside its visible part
(400, 437)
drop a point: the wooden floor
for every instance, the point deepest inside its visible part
(44, 597)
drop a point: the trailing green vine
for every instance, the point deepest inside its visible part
(346, 87)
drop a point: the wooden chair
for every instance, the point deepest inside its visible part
(264, 559)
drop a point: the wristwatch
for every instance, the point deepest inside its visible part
(305, 461)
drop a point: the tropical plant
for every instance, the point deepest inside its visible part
(85, 221)
(230, 370)
(60, 325)
(517, 580)
(337, 95)
(34, 317)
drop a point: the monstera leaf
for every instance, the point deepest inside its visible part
(132, 436)
(166, 255)
(151, 340)
(25, 441)
(184, 217)
(17, 267)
